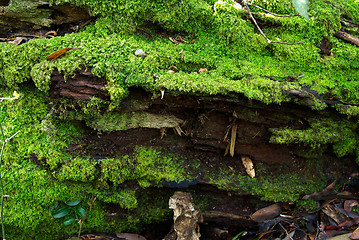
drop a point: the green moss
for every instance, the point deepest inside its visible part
(348, 110)
(270, 184)
(146, 166)
(229, 41)
(307, 205)
(218, 37)
(342, 134)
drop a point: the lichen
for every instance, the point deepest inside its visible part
(123, 121)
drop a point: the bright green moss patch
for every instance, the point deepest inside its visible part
(39, 168)
(224, 42)
(341, 133)
(146, 166)
(270, 184)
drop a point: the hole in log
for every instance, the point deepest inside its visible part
(4, 2)
(83, 86)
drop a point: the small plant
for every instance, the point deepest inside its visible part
(70, 212)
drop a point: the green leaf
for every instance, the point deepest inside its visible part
(73, 203)
(302, 7)
(56, 204)
(69, 220)
(80, 211)
(61, 212)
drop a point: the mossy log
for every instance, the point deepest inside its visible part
(122, 131)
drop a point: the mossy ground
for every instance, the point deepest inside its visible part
(38, 169)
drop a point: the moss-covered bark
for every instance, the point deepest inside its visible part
(119, 145)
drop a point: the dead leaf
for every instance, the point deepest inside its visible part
(311, 237)
(130, 236)
(349, 204)
(332, 212)
(264, 234)
(341, 237)
(248, 165)
(58, 53)
(349, 223)
(51, 33)
(174, 40)
(204, 70)
(269, 212)
(18, 40)
(329, 190)
(289, 236)
(355, 234)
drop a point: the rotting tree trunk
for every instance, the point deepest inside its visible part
(205, 120)
(292, 154)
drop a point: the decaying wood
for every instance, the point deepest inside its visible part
(233, 139)
(200, 130)
(186, 217)
(83, 86)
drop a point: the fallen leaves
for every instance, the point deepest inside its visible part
(355, 234)
(203, 70)
(130, 236)
(266, 213)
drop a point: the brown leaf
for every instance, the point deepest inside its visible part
(329, 190)
(348, 223)
(248, 165)
(130, 236)
(340, 237)
(355, 234)
(269, 212)
(333, 235)
(349, 204)
(174, 40)
(51, 33)
(204, 70)
(18, 40)
(58, 53)
(332, 212)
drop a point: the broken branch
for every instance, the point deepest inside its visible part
(347, 37)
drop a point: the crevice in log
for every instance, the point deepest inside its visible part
(83, 86)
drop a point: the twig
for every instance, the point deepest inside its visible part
(260, 30)
(8, 139)
(81, 221)
(286, 232)
(274, 14)
(347, 37)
